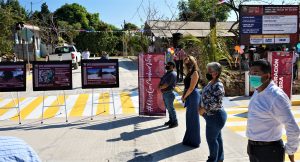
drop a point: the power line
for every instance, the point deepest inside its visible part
(137, 10)
(34, 3)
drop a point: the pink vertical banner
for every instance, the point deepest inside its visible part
(282, 70)
(151, 69)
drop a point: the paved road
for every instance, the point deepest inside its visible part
(127, 138)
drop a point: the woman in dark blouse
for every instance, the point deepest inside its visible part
(191, 97)
(213, 112)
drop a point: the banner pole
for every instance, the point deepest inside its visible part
(247, 83)
(112, 93)
(103, 100)
(19, 112)
(43, 108)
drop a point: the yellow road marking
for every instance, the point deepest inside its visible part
(52, 111)
(79, 106)
(235, 107)
(127, 104)
(237, 128)
(178, 105)
(103, 108)
(178, 90)
(297, 156)
(235, 112)
(296, 115)
(9, 106)
(235, 119)
(29, 108)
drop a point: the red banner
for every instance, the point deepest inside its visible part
(282, 70)
(151, 69)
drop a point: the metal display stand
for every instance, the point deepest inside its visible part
(100, 103)
(17, 106)
(59, 105)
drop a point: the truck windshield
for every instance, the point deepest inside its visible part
(64, 50)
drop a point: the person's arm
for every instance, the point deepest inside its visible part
(281, 111)
(163, 86)
(169, 81)
(194, 82)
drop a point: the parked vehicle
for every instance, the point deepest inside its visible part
(64, 53)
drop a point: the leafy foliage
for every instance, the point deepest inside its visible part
(10, 13)
(203, 52)
(200, 10)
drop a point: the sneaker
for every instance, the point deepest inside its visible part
(173, 125)
(168, 123)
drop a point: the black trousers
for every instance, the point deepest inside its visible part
(179, 69)
(266, 153)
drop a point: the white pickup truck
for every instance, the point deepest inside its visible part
(64, 53)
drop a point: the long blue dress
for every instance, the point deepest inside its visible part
(192, 133)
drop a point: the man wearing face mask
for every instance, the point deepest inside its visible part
(269, 111)
(167, 85)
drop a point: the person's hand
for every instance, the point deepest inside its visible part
(202, 111)
(292, 158)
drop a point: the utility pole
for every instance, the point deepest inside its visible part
(30, 8)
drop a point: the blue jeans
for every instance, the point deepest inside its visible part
(169, 98)
(214, 125)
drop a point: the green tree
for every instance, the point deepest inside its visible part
(69, 32)
(130, 26)
(11, 12)
(200, 10)
(73, 13)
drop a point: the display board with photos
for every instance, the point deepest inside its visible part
(100, 73)
(12, 76)
(52, 75)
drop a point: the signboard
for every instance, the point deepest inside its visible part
(269, 39)
(151, 69)
(277, 24)
(52, 75)
(282, 70)
(100, 73)
(12, 76)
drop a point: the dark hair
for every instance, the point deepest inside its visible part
(172, 64)
(264, 65)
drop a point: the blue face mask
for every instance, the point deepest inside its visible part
(255, 81)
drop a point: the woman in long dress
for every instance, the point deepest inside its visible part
(191, 97)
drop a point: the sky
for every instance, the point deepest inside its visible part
(113, 11)
(116, 11)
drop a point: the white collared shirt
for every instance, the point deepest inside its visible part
(269, 111)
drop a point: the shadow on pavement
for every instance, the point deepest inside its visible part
(39, 126)
(129, 65)
(128, 136)
(242, 115)
(240, 98)
(162, 154)
(118, 123)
